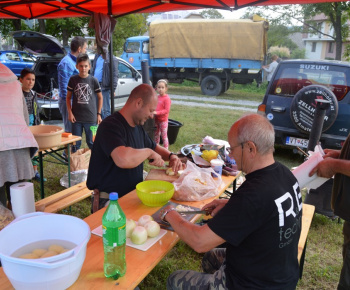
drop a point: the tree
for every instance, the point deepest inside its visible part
(65, 28)
(277, 35)
(337, 14)
(211, 13)
(130, 25)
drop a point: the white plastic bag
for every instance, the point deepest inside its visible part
(196, 183)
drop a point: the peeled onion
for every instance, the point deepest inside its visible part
(139, 235)
(130, 225)
(152, 229)
(144, 220)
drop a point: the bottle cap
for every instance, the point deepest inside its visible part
(113, 196)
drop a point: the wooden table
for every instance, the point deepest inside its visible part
(65, 143)
(139, 263)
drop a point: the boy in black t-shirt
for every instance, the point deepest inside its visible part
(83, 111)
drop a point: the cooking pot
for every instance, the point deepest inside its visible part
(32, 230)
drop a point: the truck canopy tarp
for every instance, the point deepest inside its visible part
(208, 38)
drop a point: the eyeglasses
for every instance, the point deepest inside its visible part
(230, 149)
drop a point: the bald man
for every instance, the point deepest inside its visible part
(260, 223)
(122, 145)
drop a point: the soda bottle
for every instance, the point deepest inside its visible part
(114, 238)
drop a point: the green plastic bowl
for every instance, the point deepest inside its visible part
(144, 189)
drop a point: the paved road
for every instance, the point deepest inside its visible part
(192, 101)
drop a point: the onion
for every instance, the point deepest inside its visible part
(144, 220)
(130, 225)
(139, 235)
(152, 229)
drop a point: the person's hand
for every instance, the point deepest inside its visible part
(331, 153)
(215, 206)
(99, 119)
(71, 117)
(156, 160)
(176, 164)
(324, 168)
(165, 211)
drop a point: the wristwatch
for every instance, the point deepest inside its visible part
(162, 217)
(99, 114)
(172, 153)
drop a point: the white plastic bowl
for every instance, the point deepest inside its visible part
(47, 136)
(57, 272)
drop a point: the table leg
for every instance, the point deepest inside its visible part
(68, 151)
(41, 167)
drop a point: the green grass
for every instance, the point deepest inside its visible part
(323, 256)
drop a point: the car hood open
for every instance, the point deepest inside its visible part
(39, 44)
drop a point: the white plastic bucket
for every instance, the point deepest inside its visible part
(57, 272)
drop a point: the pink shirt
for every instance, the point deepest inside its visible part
(163, 108)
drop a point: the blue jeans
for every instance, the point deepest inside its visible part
(106, 106)
(62, 105)
(77, 130)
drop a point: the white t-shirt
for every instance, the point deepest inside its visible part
(270, 70)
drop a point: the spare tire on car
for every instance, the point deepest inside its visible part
(303, 107)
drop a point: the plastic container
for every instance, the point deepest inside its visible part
(93, 130)
(173, 130)
(57, 272)
(47, 136)
(114, 239)
(217, 164)
(144, 189)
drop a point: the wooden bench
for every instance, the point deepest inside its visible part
(308, 213)
(64, 198)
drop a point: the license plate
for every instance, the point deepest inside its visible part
(297, 142)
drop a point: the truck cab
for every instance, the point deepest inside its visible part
(136, 49)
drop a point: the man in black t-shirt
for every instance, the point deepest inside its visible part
(121, 146)
(260, 223)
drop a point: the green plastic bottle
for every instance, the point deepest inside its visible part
(114, 238)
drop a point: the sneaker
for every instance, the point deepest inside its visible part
(37, 176)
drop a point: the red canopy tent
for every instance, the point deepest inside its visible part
(34, 9)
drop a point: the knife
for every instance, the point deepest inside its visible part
(206, 211)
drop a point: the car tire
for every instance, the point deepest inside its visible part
(303, 107)
(211, 85)
(225, 86)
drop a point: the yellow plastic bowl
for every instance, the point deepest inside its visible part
(144, 189)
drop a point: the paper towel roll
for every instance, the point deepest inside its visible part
(302, 172)
(22, 198)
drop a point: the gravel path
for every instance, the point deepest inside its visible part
(206, 102)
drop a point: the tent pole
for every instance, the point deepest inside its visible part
(111, 74)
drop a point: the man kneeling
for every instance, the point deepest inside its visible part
(260, 223)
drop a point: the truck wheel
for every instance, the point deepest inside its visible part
(225, 86)
(211, 86)
(303, 107)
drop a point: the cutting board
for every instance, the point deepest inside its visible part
(166, 226)
(159, 174)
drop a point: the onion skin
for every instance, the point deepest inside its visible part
(152, 229)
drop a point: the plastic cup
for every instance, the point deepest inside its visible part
(216, 164)
(93, 130)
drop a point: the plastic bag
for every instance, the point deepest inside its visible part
(75, 178)
(6, 216)
(196, 183)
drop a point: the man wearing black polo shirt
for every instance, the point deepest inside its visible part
(260, 223)
(121, 146)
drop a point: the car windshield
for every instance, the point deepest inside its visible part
(290, 78)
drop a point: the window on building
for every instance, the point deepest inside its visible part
(331, 47)
(313, 48)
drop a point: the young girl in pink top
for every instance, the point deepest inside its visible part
(162, 113)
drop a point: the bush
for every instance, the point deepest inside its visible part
(298, 53)
(282, 52)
